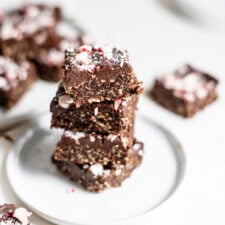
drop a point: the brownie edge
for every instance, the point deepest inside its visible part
(97, 177)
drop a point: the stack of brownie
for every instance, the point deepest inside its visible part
(95, 104)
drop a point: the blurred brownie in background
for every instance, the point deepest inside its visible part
(186, 91)
(15, 80)
(24, 31)
(10, 215)
(50, 62)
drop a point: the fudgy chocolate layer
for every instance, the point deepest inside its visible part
(98, 177)
(102, 117)
(80, 147)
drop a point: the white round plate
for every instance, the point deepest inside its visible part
(36, 100)
(45, 191)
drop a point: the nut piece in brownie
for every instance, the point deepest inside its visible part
(23, 32)
(186, 91)
(103, 117)
(96, 74)
(50, 62)
(98, 177)
(15, 80)
(10, 215)
(80, 147)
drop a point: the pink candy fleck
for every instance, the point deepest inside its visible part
(117, 103)
(71, 191)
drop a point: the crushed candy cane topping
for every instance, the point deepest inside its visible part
(27, 21)
(188, 83)
(10, 215)
(91, 58)
(11, 73)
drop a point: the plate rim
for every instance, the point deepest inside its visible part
(178, 151)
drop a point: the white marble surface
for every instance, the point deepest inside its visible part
(158, 41)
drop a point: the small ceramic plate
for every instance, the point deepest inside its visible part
(54, 197)
(37, 99)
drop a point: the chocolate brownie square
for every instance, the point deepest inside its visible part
(186, 91)
(10, 215)
(96, 74)
(93, 148)
(15, 80)
(98, 177)
(50, 62)
(102, 117)
(24, 31)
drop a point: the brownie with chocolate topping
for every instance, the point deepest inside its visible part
(10, 215)
(50, 62)
(186, 91)
(92, 148)
(96, 74)
(15, 80)
(98, 177)
(24, 31)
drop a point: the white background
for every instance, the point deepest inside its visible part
(159, 41)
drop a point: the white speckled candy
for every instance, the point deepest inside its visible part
(65, 101)
(191, 82)
(189, 97)
(112, 137)
(74, 135)
(92, 139)
(22, 215)
(3, 83)
(90, 58)
(54, 57)
(201, 93)
(96, 169)
(169, 81)
(83, 57)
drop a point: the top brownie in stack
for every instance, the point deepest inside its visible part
(25, 31)
(96, 74)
